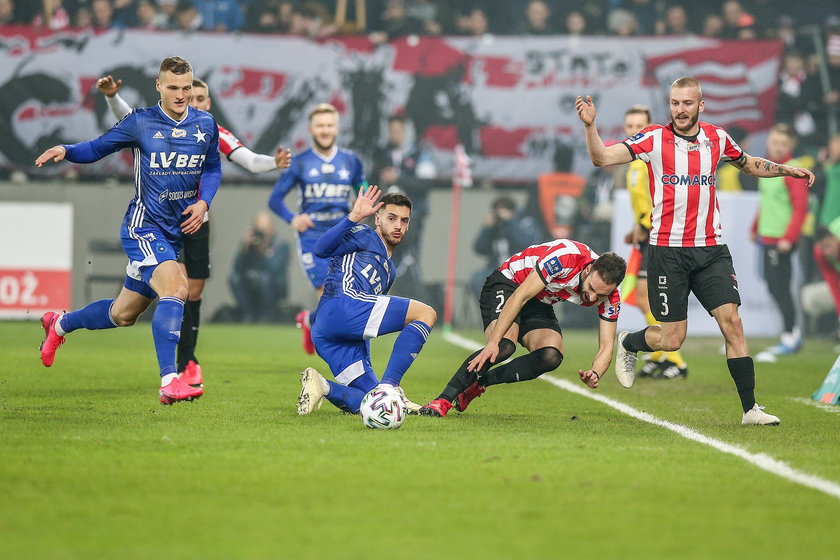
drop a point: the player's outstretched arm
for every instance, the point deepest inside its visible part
(110, 89)
(365, 204)
(261, 163)
(600, 155)
(760, 167)
(601, 363)
(56, 153)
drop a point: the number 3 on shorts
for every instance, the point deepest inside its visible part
(664, 297)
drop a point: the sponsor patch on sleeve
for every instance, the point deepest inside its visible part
(552, 266)
(636, 137)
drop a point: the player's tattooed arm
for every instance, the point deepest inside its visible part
(760, 167)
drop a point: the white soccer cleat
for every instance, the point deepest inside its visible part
(625, 363)
(412, 407)
(757, 417)
(311, 393)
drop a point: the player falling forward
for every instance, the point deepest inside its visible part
(195, 258)
(686, 253)
(327, 178)
(355, 309)
(176, 149)
(516, 305)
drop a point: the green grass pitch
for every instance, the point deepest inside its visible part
(91, 466)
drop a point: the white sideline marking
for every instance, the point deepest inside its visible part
(760, 460)
(832, 408)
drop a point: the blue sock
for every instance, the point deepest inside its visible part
(166, 325)
(407, 346)
(344, 397)
(94, 316)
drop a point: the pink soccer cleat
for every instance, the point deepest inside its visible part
(177, 391)
(52, 340)
(192, 375)
(302, 320)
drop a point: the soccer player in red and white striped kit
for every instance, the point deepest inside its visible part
(686, 253)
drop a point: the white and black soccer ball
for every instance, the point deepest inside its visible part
(383, 408)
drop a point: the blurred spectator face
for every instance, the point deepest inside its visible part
(167, 7)
(145, 13)
(396, 132)
(186, 15)
(732, 12)
(633, 123)
(479, 21)
(394, 11)
(7, 11)
(200, 98)
(713, 25)
(84, 18)
(575, 23)
(622, 23)
(794, 64)
(538, 14)
(779, 145)
(676, 19)
(103, 13)
(830, 245)
(324, 130)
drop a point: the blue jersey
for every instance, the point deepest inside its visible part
(326, 186)
(176, 163)
(360, 265)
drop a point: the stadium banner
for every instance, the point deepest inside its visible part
(508, 100)
(35, 262)
(758, 312)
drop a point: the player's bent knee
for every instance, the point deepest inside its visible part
(671, 343)
(425, 313)
(549, 357)
(124, 319)
(506, 349)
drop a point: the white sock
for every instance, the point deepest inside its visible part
(167, 379)
(59, 331)
(325, 386)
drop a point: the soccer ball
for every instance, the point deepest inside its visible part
(383, 408)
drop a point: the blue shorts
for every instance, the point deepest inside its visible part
(344, 326)
(314, 267)
(146, 249)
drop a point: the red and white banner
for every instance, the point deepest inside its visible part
(508, 100)
(36, 257)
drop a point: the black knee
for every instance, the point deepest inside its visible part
(547, 358)
(506, 349)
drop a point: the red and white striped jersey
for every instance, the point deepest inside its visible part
(227, 141)
(559, 264)
(682, 182)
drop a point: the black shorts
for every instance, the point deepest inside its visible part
(196, 253)
(534, 314)
(673, 272)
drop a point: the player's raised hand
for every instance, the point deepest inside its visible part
(108, 85)
(585, 109)
(487, 354)
(196, 216)
(56, 153)
(282, 158)
(589, 377)
(365, 204)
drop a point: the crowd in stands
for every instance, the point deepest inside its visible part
(733, 19)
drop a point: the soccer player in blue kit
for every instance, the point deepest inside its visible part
(327, 177)
(177, 171)
(354, 307)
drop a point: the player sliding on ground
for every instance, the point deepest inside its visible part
(354, 308)
(516, 305)
(686, 253)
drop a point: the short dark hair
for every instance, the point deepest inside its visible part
(611, 267)
(395, 198)
(504, 202)
(175, 64)
(198, 82)
(640, 110)
(821, 232)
